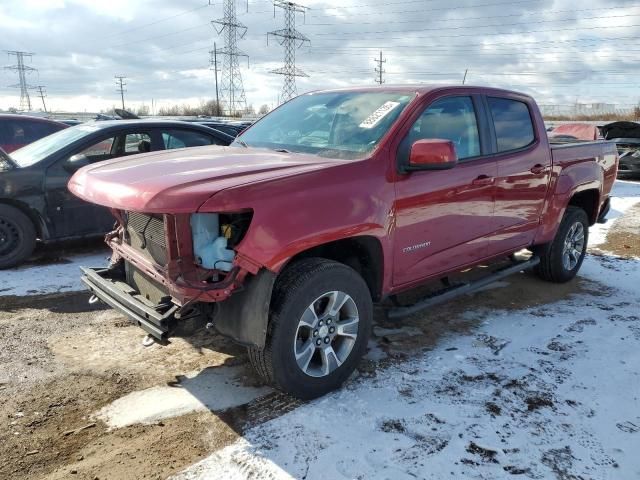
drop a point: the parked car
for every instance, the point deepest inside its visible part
(16, 131)
(572, 132)
(626, 136)
(336, 200)
(34, 200)
(230, 127)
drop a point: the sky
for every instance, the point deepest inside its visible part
(561, 51)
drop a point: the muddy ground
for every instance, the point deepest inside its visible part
(63, 360)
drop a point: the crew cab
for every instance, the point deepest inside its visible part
(335, 201)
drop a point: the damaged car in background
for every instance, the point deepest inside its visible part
(626, 136)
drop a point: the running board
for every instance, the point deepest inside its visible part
(449, 293)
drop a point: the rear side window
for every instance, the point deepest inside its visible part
(512, 120)
(185, 138)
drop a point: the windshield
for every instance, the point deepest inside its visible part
(39, 150)
(337, 125)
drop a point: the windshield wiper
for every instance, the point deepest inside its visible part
(281, 150)
(242, 142)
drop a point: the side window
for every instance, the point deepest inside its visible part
(97, 152)
(185, 138)
(512, 120)
(451, 118)
(136, 143)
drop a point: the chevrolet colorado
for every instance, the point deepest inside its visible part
(336, 200)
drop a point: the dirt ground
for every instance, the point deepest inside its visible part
(63, 360)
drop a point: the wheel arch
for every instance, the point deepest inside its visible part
(589, 201)
(35, 217)
(363, 253)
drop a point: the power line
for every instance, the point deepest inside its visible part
(379, 70)
(493, 25)
(490, 17)
(231, 83)
(23, 70)
(120, 84)
(291, 39)
(164, 19)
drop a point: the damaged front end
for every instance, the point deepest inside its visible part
(169, 268)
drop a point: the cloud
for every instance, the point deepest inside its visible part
(554, 49)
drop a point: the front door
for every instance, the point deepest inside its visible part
(70, 215)
(444, 217)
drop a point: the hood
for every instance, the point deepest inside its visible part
(180, 181)
(620, 130)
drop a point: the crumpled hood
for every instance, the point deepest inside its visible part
(179, 181)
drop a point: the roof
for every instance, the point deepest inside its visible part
(422, 89)
(17, 116)
(144, 122)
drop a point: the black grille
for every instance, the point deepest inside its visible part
(146, 234)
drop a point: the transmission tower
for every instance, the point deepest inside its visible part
(22, 69)
(231, 87)
(379, 70)
(42, 95)
(291, 39)
(120, 84)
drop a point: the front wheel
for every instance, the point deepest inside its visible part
(320, 321)
(17, 236)
(561, 259)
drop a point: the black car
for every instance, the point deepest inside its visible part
(34, 200)
(626, 136)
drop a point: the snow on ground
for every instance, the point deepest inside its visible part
(547, 392)
(215, 389)
(623, 196)
(61, 276)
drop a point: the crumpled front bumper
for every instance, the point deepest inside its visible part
(109, 286)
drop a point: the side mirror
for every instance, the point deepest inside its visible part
(76, 162)
(432, 154)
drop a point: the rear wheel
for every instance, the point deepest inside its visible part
(561, 259)
(17, 236)
(320, 321)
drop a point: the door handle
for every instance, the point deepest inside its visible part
(538, 168)
(482, 180)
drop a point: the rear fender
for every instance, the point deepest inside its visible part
(565, 190)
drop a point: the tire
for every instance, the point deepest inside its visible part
(554, 266)
(17, 237)
(317, 283)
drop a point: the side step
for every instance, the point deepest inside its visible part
(449, 293)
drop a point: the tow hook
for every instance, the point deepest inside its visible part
(93, 299)
(148, 340)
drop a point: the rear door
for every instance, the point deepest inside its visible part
(444, 217)
(524, 167)
(182, 138)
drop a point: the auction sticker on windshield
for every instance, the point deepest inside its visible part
(375, 118)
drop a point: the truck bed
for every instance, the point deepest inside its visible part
(603, 152)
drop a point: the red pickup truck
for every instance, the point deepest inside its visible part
(336, 200)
